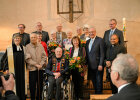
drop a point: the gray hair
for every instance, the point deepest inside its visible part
(58, 48)
(93, 28)
(127, 67)
(33, 33)
(16, 35)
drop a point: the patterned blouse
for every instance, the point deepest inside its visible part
(67, 43)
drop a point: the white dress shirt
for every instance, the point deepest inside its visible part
(75, 53)
(111, 32)
(60, 34)
(91, 43)
(122, 86)
(19, 48)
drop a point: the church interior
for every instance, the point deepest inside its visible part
(72, 14)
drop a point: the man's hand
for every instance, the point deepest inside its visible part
(9, 84)
(108, 63)
(100, 68)
(57, 75)
(39, 66)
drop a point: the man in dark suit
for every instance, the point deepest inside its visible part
(95, 59)
(107, 36)
(124, 74)
(60, 35)
(45, 35)
(25, 36)
(111, 54)
(113, 30)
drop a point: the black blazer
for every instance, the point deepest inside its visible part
(81, 52)
(106, 37)
(25, 38)
(113, 51)
(130, 92)
(96, 56)
(45, 36)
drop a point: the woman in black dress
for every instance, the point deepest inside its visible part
(77, 77)
(18, 63)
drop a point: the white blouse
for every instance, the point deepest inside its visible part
(75, 53)
(19, 48)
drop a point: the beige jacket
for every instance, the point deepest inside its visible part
(35, 55)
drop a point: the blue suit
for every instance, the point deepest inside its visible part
(95, 57)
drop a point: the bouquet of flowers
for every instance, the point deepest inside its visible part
(76, 62)
(53, 45)
(83, 43)
(67, 54)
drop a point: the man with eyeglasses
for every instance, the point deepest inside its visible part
(107, 36)
(111, 54)
(25, 36)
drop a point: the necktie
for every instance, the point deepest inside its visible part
(111, 32)
(90, 44)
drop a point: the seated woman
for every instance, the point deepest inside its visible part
(50, 44)
(13, 61)
(77, 78)
(67, 42)
(56, 68)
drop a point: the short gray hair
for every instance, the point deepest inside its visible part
(127, 67)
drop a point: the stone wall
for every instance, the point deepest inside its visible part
(96, 13)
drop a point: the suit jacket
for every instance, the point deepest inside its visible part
(106, 37)
(25, 38)
(48, 69)
(64, 36)
(129, 92)
(45, 36)
(113, 51)
(96, 56)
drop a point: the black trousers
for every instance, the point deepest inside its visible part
(52, 82)
(78, 82)
(36, 80)
(97, 80)
(107, 74)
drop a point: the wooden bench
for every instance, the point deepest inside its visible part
(100, 97)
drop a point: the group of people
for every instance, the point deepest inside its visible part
(33, 50)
